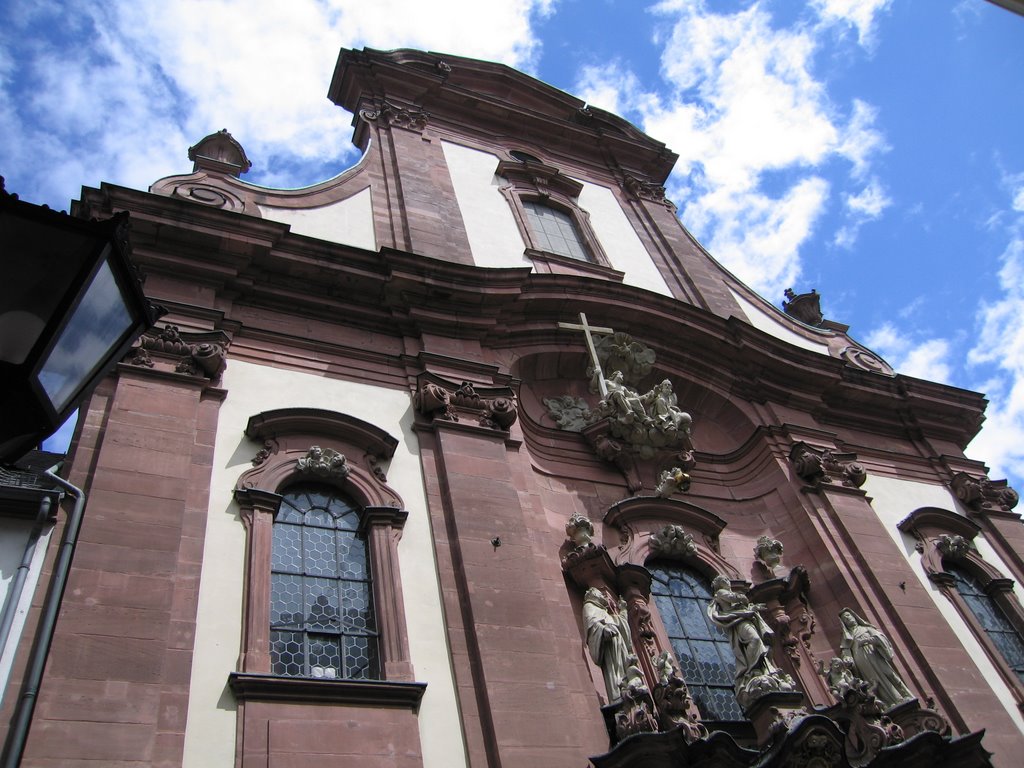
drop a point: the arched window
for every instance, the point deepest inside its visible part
(554, 230)
(990, 616)
(321, 598)
(704, 654)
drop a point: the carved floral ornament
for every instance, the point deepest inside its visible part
(323, 463)
(439, 403)
(385, 111)
(821, 467)
(673, 541)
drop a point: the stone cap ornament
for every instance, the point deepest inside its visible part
(324, 462)
(822, 466)
(980, 493)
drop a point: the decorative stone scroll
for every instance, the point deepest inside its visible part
(820, 466)
(980, 493)
(868, 729)
(192, 354)
(434, 401)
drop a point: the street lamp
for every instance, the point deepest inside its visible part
(71, 304)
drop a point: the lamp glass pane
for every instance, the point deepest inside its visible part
(97, 325)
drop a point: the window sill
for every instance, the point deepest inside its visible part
(366, 693)
(553, 263)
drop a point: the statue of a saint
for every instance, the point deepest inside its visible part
(608, 639)
(872, 656)
(623, 401)
(748, 633)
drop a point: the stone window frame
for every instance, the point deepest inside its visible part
(938, 532)
(539, 182)
(287, 436)
(639, 519)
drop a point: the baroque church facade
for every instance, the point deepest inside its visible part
(473, 456)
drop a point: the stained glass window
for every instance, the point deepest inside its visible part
(321, 601)
(554, 231)
(704, 654)
(1000, 631)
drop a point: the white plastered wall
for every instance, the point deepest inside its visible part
(252, 389)
(348, 221)
(763, 321)
(14, 535)
(893, 500)
(494, 237)
(624, 249)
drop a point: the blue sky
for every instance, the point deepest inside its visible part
(866, 148)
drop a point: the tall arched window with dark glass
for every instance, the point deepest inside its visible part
(704, 654)
(321, 599)
(993, 620)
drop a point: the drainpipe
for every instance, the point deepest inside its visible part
(18, 584)
(21, 721)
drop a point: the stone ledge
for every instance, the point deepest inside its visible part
(367, 693)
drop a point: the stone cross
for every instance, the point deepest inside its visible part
(587, 330)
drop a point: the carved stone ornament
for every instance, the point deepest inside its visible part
(394, 114)
(868, 729)
(571, 414)
(953, 547)
(768, 552)
(324, 462)
(219, 152)
(673, 702)
(805, 307)
(673, 541)
(201, 353)
(264, 453)
(672, 481)
(621, 352)
(980, 493)
(641, 189)
(648, 422)
(636, 712)
(820, 466)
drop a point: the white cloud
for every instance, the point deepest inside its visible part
(867, 205)
(743, 104)
(152, 78)
(859, 14)
(928, 359)
(999, 354)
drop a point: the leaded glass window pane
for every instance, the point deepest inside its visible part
(555, 231)
(321, 596)
(1000, 631)
(702, 650)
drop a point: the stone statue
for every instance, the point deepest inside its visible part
(872, 656)
(608, 639)
(750, 637)
(660, 404)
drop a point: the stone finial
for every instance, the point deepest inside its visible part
(219, 153)
(983, 494)
(324, 462)
(768, 552)
(673, 541)
(805, 307)
(580, 530)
